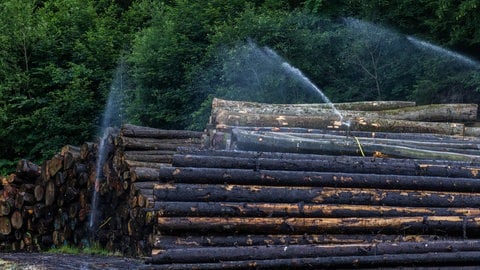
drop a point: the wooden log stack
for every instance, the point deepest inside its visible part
(266, 196)
(52, 205)
(308, 197)
(219, 209)
(139, 153)
(45, 206)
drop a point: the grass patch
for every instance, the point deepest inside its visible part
(94, 249)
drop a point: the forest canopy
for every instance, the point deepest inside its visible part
(60, 59)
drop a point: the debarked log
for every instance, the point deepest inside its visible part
(432, 112)
(171, 241)
(345, 164)
(320, 122)
(345, 131)
(241, 209)
(346, 146)
(194, 175)
(217, 254)
(451, 225)
(129, 130)
(419, 143)
(356, 106)
(324, 195)
(450, 259)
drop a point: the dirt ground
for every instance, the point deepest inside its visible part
(44, 261)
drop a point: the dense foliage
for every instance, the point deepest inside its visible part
(58, 59)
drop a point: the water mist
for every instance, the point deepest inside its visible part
(112, 118)
(298, 74)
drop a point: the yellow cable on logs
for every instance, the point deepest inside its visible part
(359, 146)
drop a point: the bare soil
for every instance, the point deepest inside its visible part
(44, 261)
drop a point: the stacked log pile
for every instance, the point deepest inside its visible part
(247, 206)
(139, 153)
(52, 205)
(378, 116)
(224, 209)
(45, 206)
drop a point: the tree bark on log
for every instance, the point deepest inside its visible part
(429, 113)
(129, 143)
(192, 175)
(324, 163)
(50, 193)
(172, 241)
(217, 254)
(146, 157)
(324, 195)
(361, 134)
(450, 225)
(129, 130)
(320, 122)
(346, 146)
(451, 259)
(27, 169)
(258, 209)
(144, 174)
(355, 106)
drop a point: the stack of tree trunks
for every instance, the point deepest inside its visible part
(139, 153)
(378, 116)
(48, 205)
(52, 205)
(248, 206)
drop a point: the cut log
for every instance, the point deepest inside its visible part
(129, 130)
(27, 169)
(5, 226)
(17, 220)
(328, 164)
(241, 209)
(431, 145)
(432, 112)
(86, 151)
(142, 164)
(71, 155)
(355, 106)
(54, 165)
(449, 259)
(314, 179)
(50, 193)
(349, 132)
(128, 143)
(142, 174)
(451, 225)
(5, 207)
(217, 254)
(145, 157)
(39, 192)
(325, 195)
(346, 146)
(171, 241)
(319, 122)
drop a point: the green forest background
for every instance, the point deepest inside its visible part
(59, 60)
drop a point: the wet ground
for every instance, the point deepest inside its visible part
(44, 261)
